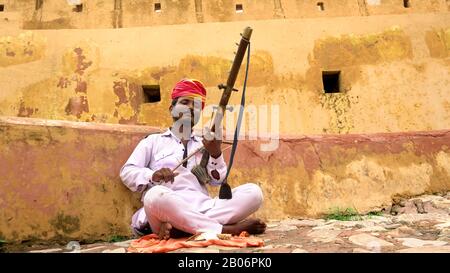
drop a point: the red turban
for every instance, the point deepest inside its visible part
(190, 88)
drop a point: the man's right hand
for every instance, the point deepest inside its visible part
(164, 175)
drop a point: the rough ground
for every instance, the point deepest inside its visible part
(421, 224)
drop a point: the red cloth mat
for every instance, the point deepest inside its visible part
(151, 244)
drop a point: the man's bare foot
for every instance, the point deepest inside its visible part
(167, 231)
(252, 226)
(164, 231)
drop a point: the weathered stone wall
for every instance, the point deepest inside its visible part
(57, 14)
(60, 179)
(375, 7)
(394, 71)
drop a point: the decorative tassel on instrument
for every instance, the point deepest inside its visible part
(200, 170)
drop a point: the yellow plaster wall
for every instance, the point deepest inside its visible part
(57, 14)
(60, 179)
(394, 71)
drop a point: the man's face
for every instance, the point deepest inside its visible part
(186, 110)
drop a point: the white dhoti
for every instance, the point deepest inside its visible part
(187, 206)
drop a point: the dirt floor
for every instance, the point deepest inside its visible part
(421, 224)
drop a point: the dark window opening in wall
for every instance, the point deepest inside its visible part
(331, 81)
(2, 8)
(39, 4)
(406, 3)
(152, 93)
(78, 8)
(239, 8)
(157, 7)
(320, 6)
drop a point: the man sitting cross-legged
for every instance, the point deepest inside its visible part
(175, 203)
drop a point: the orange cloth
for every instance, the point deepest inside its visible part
(151, 244)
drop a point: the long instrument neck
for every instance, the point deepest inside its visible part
(218, 117)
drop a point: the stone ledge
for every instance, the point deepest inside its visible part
(61, 178)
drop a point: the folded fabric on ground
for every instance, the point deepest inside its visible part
(151, 244)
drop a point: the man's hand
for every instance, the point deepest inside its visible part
(212, 143)
(164, 175)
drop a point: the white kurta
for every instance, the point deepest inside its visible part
(185, 194)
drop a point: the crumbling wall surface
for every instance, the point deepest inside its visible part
(144, 13)
(315, 175)
(312, 8)
(394, 72)
(55, 14)
(58, 14)
(233, 10)
(438, 42)
(376, 7)
(60, 179)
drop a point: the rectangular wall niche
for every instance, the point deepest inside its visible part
(406, 3)
(78, 8)
(152, 93)
(239, 8)
(331, 81)
(2, 7)
(157, 7)
(320, 6)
